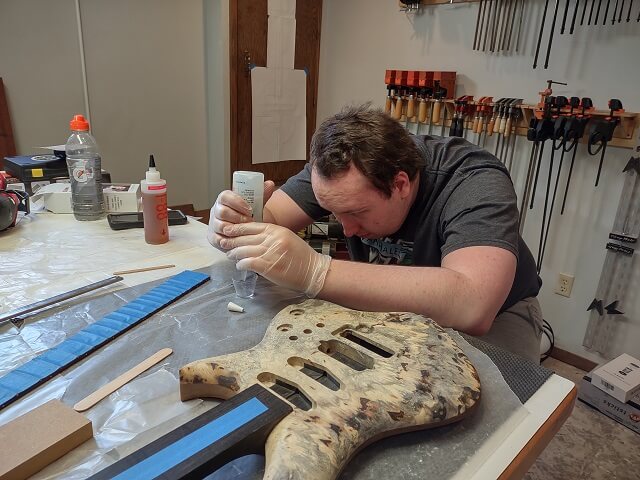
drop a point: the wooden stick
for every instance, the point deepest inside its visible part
(89, 401)
(145, 269)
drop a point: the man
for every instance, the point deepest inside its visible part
(431, 223)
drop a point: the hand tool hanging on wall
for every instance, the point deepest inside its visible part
(559, 103)
(564, 16)
(606, 11)
(389, 80)
(598, 12)
(601, 133)
(620, 12)
(501, 104)
(593, 4)
(436, 108)
(495, 25)
(387, 103)
(484, 109)
(575, 14)
(460, 114)
(500, 127)
(584, 11)
(577, 127)
(553, 28)
(479, 24)
(512, 124)
(520, 24)
(620, 265)
(615, 10)
(544, 18)
(572, 133)
(538, 134)
(544, 131)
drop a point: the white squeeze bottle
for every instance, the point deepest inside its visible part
(154, 206)
(250, 186)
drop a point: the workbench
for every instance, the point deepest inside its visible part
(47, 254)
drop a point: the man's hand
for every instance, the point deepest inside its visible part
(230, 209)
(277, 254)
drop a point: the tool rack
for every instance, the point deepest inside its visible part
(623, 136)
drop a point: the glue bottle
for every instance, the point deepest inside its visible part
(154, 206)
(250, 186)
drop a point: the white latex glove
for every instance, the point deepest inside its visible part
(230, 209)
(277, 254)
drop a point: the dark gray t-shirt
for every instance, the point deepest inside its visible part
(465, 198)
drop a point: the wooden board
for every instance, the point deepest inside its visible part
(354, 377)
(90, 400)
(39, 437)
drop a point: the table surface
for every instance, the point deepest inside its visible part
(46, 246)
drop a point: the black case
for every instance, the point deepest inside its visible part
(122, 221)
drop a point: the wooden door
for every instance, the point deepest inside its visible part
(7, 145)
(248, 44)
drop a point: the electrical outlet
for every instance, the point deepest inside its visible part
(564, 284)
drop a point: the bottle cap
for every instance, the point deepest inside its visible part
(79, 123)
(153, 175)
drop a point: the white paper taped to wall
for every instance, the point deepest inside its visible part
(281, 42)
(279, 115)
(279, 93)
(282, 8)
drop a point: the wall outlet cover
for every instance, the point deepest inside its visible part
(564, 285)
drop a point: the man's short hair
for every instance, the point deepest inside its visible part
(377, 145)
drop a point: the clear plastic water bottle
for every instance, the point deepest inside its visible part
(85, 172)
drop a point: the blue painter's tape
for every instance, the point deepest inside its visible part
(36, 371)
(194, 442)
(58, 356)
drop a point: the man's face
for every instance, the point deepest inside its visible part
(362, 210)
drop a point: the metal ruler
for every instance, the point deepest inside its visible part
(621, 263)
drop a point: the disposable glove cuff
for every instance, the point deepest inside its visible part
(318, 275)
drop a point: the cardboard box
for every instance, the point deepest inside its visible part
(121, 197)
(628, 414)
(620, 377)
(40, 437)
(118, 197)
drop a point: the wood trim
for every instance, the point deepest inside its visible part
(7, 143)
(534, 447)
(573, 359)
(233, 86)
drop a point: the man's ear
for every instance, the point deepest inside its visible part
(402, 184)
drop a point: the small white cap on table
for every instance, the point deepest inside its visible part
(232, 307)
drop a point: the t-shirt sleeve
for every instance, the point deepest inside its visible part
(299, 189)
(481, 211)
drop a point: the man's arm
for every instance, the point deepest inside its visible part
(281, 210)
(465, 293)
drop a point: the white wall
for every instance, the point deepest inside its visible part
(146, 65)
(362, 38)
(40, 68)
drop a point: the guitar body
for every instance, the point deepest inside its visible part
(353, 377)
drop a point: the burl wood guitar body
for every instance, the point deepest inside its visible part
(354, 378)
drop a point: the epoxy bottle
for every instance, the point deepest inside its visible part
(154, 206)
(250, 186)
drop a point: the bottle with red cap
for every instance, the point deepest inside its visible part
(85, 172)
